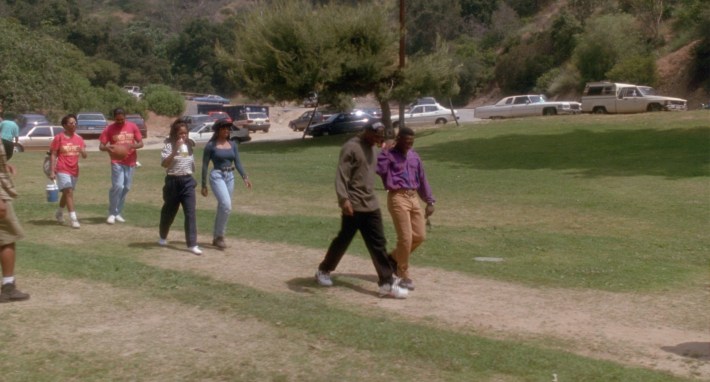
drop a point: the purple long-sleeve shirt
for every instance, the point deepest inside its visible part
(400, 172)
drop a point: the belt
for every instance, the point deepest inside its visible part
(405, 191)
(226, 169)
(179, 175)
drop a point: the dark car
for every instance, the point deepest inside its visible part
(140, 122)
(341, 123)
(89, 125)
(300, 123)
(25, 120)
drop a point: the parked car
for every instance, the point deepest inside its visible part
(423, 101)
(194, 120)
(526, 106)
(612, 97)
(140, 122)
(201, 134)
(253, 121)
(217, 115)
(341, 123)
(89, 125)
(300, 123)
(33, 119)
(427, 114)
(211, 98)
(311, 100)
(36, 138)
(373, 111)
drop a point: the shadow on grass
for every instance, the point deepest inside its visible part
(308, 284)
(677, 153)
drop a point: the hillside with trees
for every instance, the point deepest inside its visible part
(66, 55)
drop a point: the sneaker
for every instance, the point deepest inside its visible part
(162, 242)
(120, 219)
(393, 290)
(196, 250)
(323, 278)
(407, 283)
(75, 224)
(9, 294)
(60, 216)
(219, 242)
(111, 219)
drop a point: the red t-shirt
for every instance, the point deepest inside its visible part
(68, 150)
(127, 134)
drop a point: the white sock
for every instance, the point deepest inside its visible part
(60, 210)
(8, 280)
(72, 215)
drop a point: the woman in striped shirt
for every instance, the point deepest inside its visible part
(179, 186)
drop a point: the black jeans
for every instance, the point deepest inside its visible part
(179, 190)
(370, 226)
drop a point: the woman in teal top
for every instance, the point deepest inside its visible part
(224, 155)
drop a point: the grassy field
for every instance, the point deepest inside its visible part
(598, 203)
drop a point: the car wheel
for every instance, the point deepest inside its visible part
(654, 107)
(440, 121)
(292, 126)
(599, 110)
(549, 111)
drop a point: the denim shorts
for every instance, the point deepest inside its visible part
(65, 180)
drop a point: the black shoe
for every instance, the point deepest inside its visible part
(219, 242)
(9, 294)
(407, 283)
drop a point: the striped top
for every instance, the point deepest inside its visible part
(182, 164)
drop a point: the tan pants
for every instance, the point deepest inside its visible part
(408, 217)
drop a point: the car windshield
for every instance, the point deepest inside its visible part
(90, 117)
(647, 90)
(196, 129)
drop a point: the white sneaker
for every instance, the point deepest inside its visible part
(75, 224)
(196, 250)
(120, 219)
(162, 242)
(393, 290)
(60, 216)
(111, 219)
(323, 278)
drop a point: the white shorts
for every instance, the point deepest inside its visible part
(65, 180)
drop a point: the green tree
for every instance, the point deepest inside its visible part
(606, 40)
(194, 60)
(291, 48)
(37, 71)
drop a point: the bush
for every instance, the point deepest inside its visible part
(635, 69)
(163, 100)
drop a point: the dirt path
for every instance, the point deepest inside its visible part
(651, 331)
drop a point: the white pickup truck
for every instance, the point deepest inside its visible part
(613, 97)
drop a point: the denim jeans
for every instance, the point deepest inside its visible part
(121, 180)
(222, 183)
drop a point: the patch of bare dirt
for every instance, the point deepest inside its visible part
(646, 330)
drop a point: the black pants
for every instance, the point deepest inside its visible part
(179, 190)
(370, 226)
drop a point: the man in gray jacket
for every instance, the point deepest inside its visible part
(354, 186)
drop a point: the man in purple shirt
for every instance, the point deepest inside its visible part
(402, 173)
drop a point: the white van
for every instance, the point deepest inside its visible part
(613, 97)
